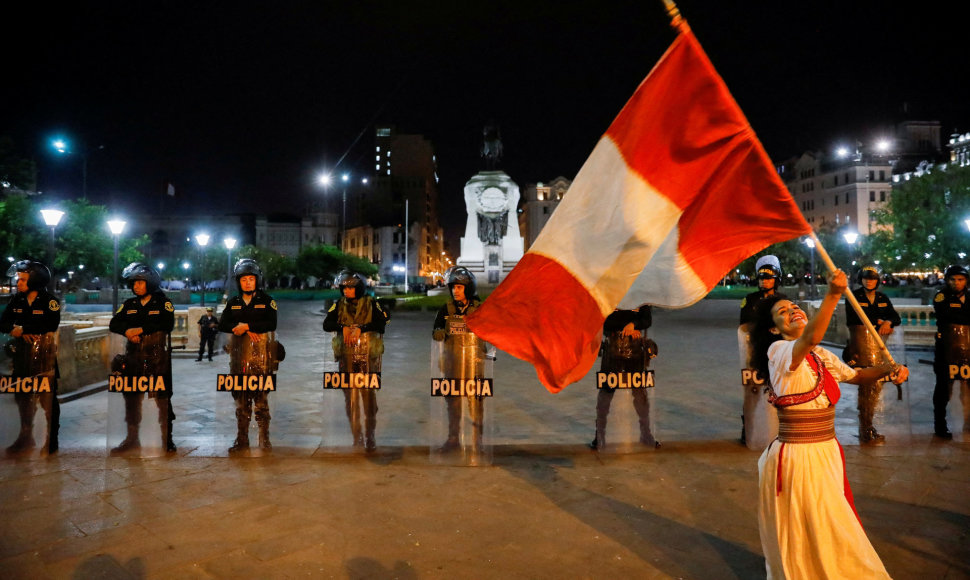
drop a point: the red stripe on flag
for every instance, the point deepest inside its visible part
(544, 316)
(685, 135)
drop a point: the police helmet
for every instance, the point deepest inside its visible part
(870, 272)
(955, 270)
(38, 276)
(768, 267)
(461, 275)
(350, 279)
(247, 267)
(139, 271)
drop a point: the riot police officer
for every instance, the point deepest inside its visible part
(250, 317)
(768, 274)
(358, 321)
(146, 320)
(32, 317)
(626, 348)
(463, 355)
(863, 350)
(952, 341)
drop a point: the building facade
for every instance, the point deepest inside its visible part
(538, 202)
(841, 192)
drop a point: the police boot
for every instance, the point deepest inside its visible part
(130, 443)
(646, 437)
(264, 442)
(167, 444)
(242, 436)
(370, 443)
(23, 442)
(599, 440)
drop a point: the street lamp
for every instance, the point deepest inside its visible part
(325, 179)
(116, 226)
(64, 148)
(52, 217)
(203, 241)
(230, 243)
(811, 246)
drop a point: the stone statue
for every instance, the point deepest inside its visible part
(492, 228)
(492, 146)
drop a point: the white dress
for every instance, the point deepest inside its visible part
(809, 529)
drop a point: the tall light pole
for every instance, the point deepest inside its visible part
(116, 226)
(52, 217)
(62, 147)
(230, 243)
(811, 245)
(851, 238)
(202, 240)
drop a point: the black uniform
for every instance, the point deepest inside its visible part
(208, 329)
(863, 352)
(952, 316)
(625, 354)
(260, 315)
(39, 317)
(456, 312)
(881, 308)
(151, 356)
(750, 303)
(366, 314)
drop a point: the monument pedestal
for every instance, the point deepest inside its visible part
(491, 246)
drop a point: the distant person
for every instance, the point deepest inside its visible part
(358, 321)
(146, 320)
(32, 318)
(863, 350)
(806, 515)
(208, 330)
(250, 318)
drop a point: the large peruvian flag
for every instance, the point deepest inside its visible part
(675, 194)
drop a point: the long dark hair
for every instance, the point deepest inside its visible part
(761, 335)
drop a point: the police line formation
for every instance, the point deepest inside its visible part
(357, 322)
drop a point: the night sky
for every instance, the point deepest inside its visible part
(241, 104)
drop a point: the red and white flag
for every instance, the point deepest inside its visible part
(676, 193)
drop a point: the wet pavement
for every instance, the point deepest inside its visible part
(547, 506)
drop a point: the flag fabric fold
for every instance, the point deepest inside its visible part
(675, 194)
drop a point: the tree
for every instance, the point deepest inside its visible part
(927, 216)
(321, 261)
(82, 245)
(274, 265)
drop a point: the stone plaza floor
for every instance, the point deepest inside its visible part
(547, 506)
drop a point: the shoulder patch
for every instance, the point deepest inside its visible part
(54, 305)
(744, 302)
(169, 306)
(939, 297)
(120, 308)
(332, 307)
(272, 304)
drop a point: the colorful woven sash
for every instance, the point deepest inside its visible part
(806, 425)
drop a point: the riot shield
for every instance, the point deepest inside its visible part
(351, 380)
(760, 417)
(139, 397)
(957, 340)
(27, 394)
(244, 409)
(880, 409)
(625, 422)
(461, 384)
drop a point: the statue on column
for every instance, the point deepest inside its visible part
(492, 146)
